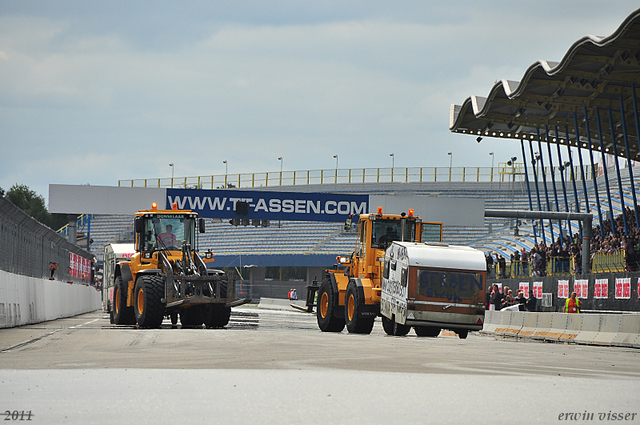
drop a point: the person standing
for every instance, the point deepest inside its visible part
(496, 297)
(52, 268)
(573, 304)
(531, 301)
(520, 300)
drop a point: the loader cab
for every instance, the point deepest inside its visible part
(385, 231)
(164, 232)
(376, 232)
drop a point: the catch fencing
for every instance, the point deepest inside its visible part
(28, 248)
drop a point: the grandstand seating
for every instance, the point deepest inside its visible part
(296, 237)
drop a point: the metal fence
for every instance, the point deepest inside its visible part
(501, 173)
(556, 266)
(27, 247)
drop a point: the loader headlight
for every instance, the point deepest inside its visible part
(147, 255)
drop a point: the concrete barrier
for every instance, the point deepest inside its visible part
(543, 325)
(504, 320)
(628, 333)
(609, 327)
(25, 300)
(591, 324)
(529, 325)
(593, 329)
(491, 320)
(516, 323)
(279, 304)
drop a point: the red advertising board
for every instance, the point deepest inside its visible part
(79, 267)
(537, 289)
(581, 288)
(524, 287)
(563, 289)
(623, 288)
(601, 288)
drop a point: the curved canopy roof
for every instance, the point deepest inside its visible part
(596, 76)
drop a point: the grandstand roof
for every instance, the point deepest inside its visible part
(596, 75)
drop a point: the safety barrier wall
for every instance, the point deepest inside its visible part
(622, 330)
(25, 300)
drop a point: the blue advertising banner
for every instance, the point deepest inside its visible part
(264, 205)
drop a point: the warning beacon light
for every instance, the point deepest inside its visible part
(410, 212)
(174, 206)
(379, 210)
(154, 206)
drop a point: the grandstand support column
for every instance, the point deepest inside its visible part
(573, 175)
(564, 186)
(584, 182)
(535, 176)
(604, 169)
(72, 231)
(544, 181)
(626, 145)
(553, 178)
(586, 220)
(637, 120)
(526, 178)
(615, 155)
(593, 170)
(526, 173)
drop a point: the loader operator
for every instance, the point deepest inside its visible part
(167, 238)
(390, 236)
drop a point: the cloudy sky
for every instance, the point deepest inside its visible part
(96, 91)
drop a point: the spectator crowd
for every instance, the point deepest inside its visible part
(611, 240)
(502, 299)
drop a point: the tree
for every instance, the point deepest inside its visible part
(33, 204)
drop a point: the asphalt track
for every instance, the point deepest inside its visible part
(270, 367)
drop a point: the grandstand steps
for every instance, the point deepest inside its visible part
(319, 245)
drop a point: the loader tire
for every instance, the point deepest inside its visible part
(462, 334)
(352, 309)
(217, 316)
(211, 292)
(223, 289)
(387, 325)
(148, 306)
(327, 320)
(122, 315)
(428, 331)
(393, 328)
(192, 317)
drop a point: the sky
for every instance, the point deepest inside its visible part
(92, 92)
